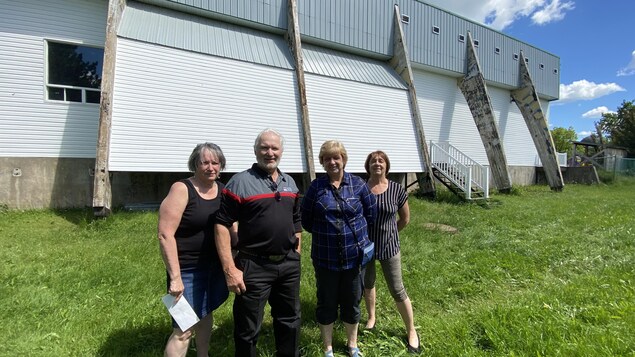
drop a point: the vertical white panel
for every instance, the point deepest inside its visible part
(365, 118)
(30, 125)
(446, 116)
(168, 100)
(519, 146)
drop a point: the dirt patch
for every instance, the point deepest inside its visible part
(440, 227)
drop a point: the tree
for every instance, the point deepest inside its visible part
(67, 66)
(619, 128)
(562, 139)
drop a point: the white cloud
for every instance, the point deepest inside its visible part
(596, 113)
(552, 12)
(584, 134)
(585, 90)
(500, 14)
(629, 69)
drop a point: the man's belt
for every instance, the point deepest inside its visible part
(271, 258)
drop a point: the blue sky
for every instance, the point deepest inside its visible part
(594, 39)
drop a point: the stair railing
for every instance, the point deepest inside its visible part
(460, 169)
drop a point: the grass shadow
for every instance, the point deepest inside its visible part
(150, 340)
(144, 341)
(76, 216)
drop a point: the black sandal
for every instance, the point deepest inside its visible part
(411, 349)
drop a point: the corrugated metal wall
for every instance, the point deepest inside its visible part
(358, 24)
(265, 12)
(160, 112)
(519, 146)
(445, 51)
(367, 26)
(364, 117)
(331, 63)
(193, 33)
(30, 125)
(446, 116)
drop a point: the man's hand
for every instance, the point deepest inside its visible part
(234, 278)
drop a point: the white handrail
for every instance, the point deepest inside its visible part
(459, 168)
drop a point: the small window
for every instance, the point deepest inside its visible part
(461, 38)
(405, 19)
(475, 43)
(542, 66)
(497, 50)
(515, 56)
(526, 60)
(74, 72)
(555, 71)
(436, 30)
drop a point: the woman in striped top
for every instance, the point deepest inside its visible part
(393, 215)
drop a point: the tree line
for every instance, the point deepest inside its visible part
(615, 129)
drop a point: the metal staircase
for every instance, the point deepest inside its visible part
(458, 172)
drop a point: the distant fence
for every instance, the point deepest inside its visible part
(624, 166)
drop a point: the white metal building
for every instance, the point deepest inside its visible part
(189, 71)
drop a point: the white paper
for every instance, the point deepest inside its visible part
(182, 312)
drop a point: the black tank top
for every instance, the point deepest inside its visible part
(195, 234)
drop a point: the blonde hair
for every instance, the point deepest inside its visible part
(332, 147)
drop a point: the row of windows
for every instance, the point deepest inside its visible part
(437, 30)
(74, 72)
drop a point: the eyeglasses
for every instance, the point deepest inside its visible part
(274, 188)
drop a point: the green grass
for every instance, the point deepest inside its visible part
(534, 273)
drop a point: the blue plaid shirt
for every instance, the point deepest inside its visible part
(339, 225)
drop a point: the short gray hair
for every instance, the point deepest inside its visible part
(272, 131)
(195, 157)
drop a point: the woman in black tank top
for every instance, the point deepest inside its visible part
(186, 238)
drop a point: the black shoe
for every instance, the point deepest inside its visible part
(413, 350)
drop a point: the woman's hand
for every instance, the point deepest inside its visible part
(176, 288)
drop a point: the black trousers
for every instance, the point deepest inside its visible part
(279, 284)
(341, 289)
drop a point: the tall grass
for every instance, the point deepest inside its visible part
(532, 273)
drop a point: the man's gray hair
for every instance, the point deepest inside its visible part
(272, 131)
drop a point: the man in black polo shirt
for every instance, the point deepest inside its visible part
(265, 203)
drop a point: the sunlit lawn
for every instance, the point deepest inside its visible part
(533, 273)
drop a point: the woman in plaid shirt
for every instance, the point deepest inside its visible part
(337, 210)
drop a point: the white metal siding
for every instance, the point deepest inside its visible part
(31, 126)
(446, 116)
(365, 118)
(519, 146)
(168, 100)
(193, 33)
(331, 63)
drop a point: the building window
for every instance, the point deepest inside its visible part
(475, 43)
(555, 71)
(461, 38)
(436, 30)
(526, 60)
(405, 19)
(74, 72)
(515, 56)
(542, 66)
(497, 50)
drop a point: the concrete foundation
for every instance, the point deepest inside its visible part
(31, 183)
(35, 183)
(522, 175)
